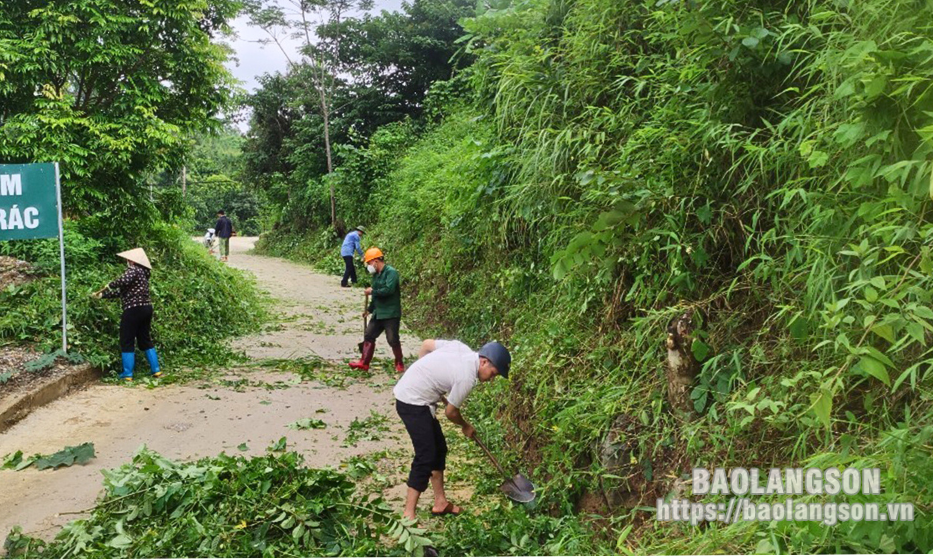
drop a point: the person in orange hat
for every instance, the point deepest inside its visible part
(386, 308)
(136, 322)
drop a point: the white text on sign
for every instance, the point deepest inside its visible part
(14, 218)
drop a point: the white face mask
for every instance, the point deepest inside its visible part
(371, 269)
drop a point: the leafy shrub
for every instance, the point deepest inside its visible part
(508, 530)
(197, 301)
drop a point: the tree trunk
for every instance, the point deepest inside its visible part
(321, 84)
(682, 367)
(325, 110)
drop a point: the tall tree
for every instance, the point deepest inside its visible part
(110, 89)
(393, 59)
(319, 53)
(382, 69)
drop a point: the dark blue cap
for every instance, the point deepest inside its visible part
(498, 355)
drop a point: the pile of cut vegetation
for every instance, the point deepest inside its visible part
(227, 507)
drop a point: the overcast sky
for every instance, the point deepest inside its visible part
(253, 59)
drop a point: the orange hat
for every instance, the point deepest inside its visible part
(371, 254)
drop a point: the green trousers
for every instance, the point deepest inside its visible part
(224, 246)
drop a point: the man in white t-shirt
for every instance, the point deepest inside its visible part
(446, 371)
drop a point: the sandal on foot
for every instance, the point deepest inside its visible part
(448, 510)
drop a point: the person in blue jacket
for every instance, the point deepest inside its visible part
(351, 244)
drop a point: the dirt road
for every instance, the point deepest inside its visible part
(185, 422)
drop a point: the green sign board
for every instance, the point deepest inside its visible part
(28, 201)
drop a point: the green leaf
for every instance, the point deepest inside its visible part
(845, 89)
(926, 263)
(817, 159)
(25, 463)
(875, 369)
(822, 405)
(10, 461)
(279, 445)
(120, 541)
(750, 42)
(700, 349)
(915, 330)
(560, 270)
(81, 454)
(878, 355)
(849, 133)
(16, 462)
(799, 328)
(885, 331)
(705, 214)
(611, 219)
(876, 86)
(243, 447)
(923, 312)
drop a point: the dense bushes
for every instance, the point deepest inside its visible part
(198, 301)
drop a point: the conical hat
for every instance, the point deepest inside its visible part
(137, 256)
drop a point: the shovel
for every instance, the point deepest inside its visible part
(517, 488)
(365, 308)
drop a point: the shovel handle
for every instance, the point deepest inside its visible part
(488, 454)
(365, 309)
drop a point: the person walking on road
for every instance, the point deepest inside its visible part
(224, 231)
(351, 245)
(386, 308)
(136, 323)
(446, 371)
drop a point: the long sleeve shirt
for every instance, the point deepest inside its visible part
(387, 296)
(351, 244)
(132, 288)
(224, 227)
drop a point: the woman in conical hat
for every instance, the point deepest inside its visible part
(136, 323)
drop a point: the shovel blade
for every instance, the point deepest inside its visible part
(523, 484)
(521, 494)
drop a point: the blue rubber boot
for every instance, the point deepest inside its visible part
(129, 362)
(153, 362)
